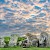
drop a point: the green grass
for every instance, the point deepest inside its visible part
(20, 48)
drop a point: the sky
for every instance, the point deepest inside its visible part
(24, 16)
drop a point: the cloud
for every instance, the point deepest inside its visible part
(22, 16)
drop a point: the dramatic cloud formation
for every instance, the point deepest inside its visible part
(22, 16)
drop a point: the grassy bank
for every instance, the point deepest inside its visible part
(20, 48)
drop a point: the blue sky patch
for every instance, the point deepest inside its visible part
(24, 12)
(42, 1)
(49, 1)
(8, 9)
(2, 1)
(42, 15)
(37, 7)
(16, 0)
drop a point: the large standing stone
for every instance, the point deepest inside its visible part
(2, 43)
(48, 41)
(13, 40)
(43, 39)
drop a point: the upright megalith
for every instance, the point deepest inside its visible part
(2, 43)
(43, 39)
(13, 40)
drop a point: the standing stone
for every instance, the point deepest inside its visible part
(43, 39)
(32, 39)
(48, 41)
(2, 43)
(13, 40)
